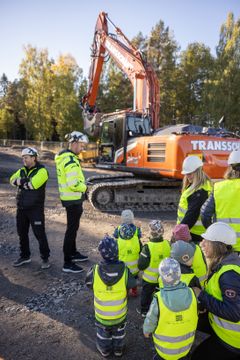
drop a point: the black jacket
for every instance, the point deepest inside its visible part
(195, 202)
(208, 213)
(29, 198)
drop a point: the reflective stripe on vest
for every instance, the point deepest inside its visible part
(69, 177)
(226, 330)
(199, 265)
(110, 302)
(198, 227)
(227, 205)
(128, 252)
(158, 251)
(175, 332)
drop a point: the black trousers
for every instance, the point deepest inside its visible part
(212, 346)
(111, 338)
(35, 218)
(74, 213)
(147, 294)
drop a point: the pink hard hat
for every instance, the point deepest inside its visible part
(181, 232)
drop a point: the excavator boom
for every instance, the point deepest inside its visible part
(149, 159)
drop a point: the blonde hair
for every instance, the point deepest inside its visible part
(199, 179)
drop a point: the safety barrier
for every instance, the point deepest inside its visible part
(90, 152)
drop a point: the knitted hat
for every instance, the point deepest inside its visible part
(127, 216)
(156, 228)
(108, 248)
(181, 232)
(170, 272)
(126, 231)
(182, 251)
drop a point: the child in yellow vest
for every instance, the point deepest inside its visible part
(199, 265)
(183, 252)
(172, 317)
(110, 280)
(151, 255)
(128, 236)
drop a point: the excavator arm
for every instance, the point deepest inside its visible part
(129, 60)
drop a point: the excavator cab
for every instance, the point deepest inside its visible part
(116, 130)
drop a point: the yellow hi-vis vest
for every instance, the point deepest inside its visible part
(198, 227)
(71, 181)
(175, 332)
(110, 302)
(158, 251)
(186, 278)
(199, 266)
(128, 252)
(226, 330)
(227, 205)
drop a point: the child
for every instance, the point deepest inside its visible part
(181, 232)
(110, 280)
(199, 265)
(172, 317)
(150, 257)
(129, 245)
(183, 252)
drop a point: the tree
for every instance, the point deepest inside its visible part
(162, 52)
(66, 86)
(35, 71)
(224, 85)
(194, 70)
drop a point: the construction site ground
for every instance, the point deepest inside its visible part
(48, 314)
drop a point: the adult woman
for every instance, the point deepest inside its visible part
(195, 191)
(224, 202)
(221, 296)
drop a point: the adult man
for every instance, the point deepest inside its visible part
(31, 181)
(71, 183)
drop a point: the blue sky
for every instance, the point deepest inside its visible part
(67, 26)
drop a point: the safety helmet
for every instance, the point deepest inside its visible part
(126, 231)
(29, 151)
(190, 164)
(234, 157)
(219, 231)
(77, 136)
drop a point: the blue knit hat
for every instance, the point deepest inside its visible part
(108, 248)
(126, 231)
(170, 271)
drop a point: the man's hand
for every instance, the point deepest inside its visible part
(147, 335)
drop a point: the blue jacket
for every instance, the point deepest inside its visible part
(208, 215)
(229, 283)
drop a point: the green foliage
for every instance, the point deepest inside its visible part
(44, 103)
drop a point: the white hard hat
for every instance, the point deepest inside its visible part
(190, 164)
(234, 157)
(221, 232)
(77, 136)
(29, 151)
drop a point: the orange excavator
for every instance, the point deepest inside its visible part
(148, 159)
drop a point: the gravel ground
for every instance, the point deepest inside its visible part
(48, 314)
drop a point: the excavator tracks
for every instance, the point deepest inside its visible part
(110, 193)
